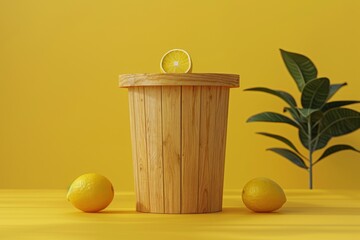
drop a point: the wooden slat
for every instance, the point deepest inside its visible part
(207, 147)
(190, 148)
(171, 125)
(179, 79)
(141, 149)
(133, 145)
(221, 109)
(154, 147)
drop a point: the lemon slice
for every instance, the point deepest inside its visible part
(175, 61)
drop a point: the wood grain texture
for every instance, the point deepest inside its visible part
(171, 128)
(153, 121)
(179, 79)
(219, 134)
(133, 145)
(141, 149)
(178, 131)
(207, 147)
(190, 148)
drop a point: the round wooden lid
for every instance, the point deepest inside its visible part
(179, 79)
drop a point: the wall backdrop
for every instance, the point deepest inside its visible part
(62, 113)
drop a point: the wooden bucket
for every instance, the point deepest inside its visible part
(178, 130)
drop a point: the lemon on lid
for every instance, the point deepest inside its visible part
(263, 195)
(175, 61)
(91, 192)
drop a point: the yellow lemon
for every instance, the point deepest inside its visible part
(91, 192)
(263, 195)
(175, 61)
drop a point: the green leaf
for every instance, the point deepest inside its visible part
(334, 88)
(315, 93)
(300, 67)
(290, 155)
(316, 118)
(294, 114)
(322, 142)
(280, 138)
(271, 117)
(281, 94)
(334, 149)
(336, 104)
(339, 121)
(306, 112)
(300, 121)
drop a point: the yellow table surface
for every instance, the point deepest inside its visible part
(45, 214)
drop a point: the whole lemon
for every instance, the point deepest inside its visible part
(91, 192)
(263, 195)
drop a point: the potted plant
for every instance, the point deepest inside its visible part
(317, 120)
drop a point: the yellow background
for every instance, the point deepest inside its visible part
(62, 113)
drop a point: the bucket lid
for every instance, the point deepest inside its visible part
(179, 79)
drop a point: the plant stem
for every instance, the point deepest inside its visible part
(310, 155)
(310, 171)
